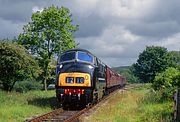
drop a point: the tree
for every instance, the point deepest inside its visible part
(15, 64)
(50, 32)
(50, 78)
(176, 58)
(130, 77)
(154, 59)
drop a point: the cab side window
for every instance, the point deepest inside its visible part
(101, 67)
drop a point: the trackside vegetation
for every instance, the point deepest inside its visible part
(16, 107)
(158, 66)
(161, 68)
(167, 82)
(141, 104)
(16, 64)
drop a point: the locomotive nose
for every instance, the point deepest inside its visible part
(75, 79)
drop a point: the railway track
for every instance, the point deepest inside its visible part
(60, 115)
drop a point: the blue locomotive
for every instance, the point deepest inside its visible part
(81, 78)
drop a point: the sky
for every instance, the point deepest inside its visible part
(116, 31)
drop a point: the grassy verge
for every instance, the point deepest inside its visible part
(137, 105)
(15, 107)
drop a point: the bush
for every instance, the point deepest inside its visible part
(167, 82)
(16, 64)
(24, 86)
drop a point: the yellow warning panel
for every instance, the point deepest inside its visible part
(75, 79)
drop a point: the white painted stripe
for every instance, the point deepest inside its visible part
(101, 78)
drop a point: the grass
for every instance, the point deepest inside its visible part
(16, 107)
(137, 105)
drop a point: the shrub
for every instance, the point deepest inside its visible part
(166, 82)
(16, 64)
(24, 86)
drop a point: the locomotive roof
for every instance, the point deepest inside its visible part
(84, 50)
(79, 49)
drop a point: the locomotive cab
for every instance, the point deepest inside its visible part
(74, 77)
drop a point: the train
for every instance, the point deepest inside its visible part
(83, 79)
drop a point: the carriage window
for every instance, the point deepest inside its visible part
(68, 56)
(83, 56)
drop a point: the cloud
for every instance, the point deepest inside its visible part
(9, 29)
(16, 12)
(114, 42)
(114, 8)
(37, 8)
(172, 42)
(116, 31)
(93, 25)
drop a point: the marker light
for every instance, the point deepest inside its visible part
(60, 66)
(90, 67)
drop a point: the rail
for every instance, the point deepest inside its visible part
(70, 116)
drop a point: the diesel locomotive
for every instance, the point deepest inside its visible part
(82, 78)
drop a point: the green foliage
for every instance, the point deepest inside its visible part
(176, 57)
(167, 82)
(152, 60)
(127, 71)
(154, 109)
(151, 96)
(121, 68)
(130, 77)
(24, 86)
(140, 104)
(168, 78)
(17, 107)
(50, 32)
(50, 76)
(15, 64)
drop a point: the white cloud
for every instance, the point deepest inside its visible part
(126, 9)
(84, 7)
(123, 8)
(37, 8)
(172, 42)
(114, 30)
(113, 43)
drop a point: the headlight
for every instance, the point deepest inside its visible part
(60, 66)
(79, 80)
(69, 80)
(90, 67)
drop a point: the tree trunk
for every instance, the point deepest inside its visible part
(45, 84)
(6, 87)
(11, 87)
(45, 76)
